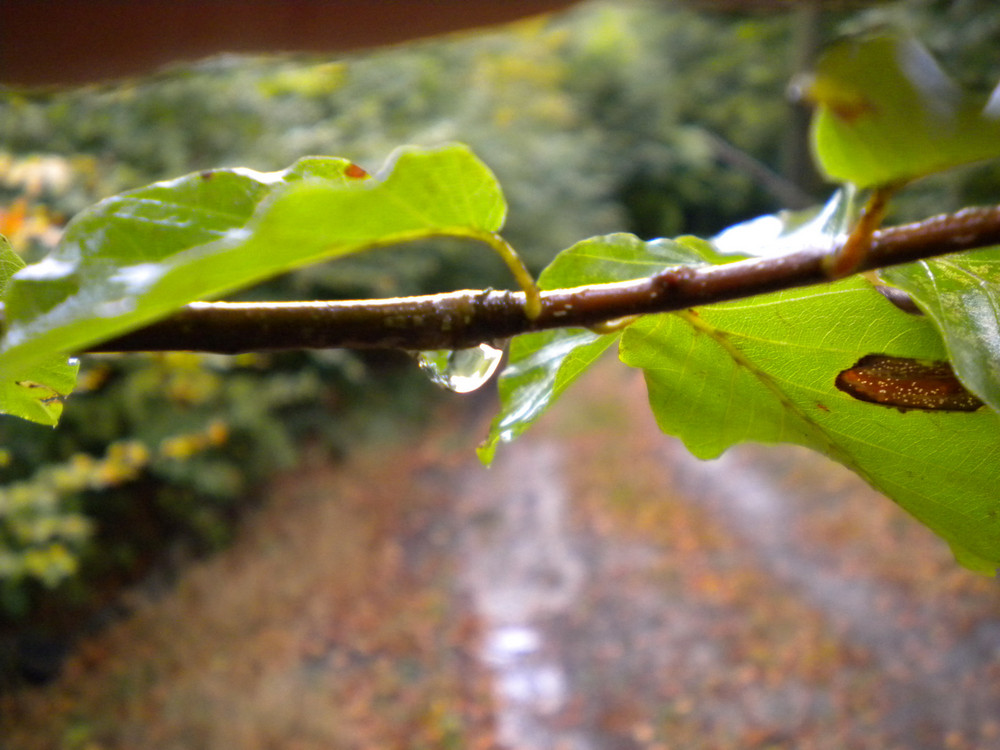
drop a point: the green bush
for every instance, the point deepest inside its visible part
(606, 119)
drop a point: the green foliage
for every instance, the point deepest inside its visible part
(138, 256)
(557, 109)
(591, 128)
(42, 527)
(765, 369)
(35, 392)
(962, 295)
(542, 365)
(576, 116)
(887, 114)
(203, 433)
(762, 369)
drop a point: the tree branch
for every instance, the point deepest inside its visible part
(466, 318)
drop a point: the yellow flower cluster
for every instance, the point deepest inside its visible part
(41, 533)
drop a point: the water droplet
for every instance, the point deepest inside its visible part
(461, 370)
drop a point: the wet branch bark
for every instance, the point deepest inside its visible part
(466, 318)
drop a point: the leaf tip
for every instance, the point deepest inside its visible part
(973, 561)
(486, 450)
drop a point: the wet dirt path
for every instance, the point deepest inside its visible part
(767, 599)
(595, 589)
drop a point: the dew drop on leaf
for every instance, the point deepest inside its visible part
(461, 370)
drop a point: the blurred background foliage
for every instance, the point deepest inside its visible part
(657, 118)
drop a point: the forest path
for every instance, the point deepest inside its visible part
(596, 589)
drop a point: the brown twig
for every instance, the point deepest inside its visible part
(466, 318)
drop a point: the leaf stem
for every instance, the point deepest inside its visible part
(848, 259)
(523, 277)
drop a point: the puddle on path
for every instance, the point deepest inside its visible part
(522, 570)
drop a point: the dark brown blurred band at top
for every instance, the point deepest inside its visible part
(61, 42)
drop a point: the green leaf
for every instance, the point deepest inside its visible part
(764, 369)
(887, 113)
(10, 263)
(961, 294)
(543, 365)
(136, 257)
(35, 394)
(39, 399)
(616, 257)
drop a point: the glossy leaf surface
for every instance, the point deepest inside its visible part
(34, 393)
(961, 293)
(138, 256)
(543, 365)
(792, 231)
(887, 113)
(764, 370)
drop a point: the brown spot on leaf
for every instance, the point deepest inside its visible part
(905, 383)
(851, 111)
(44, 393)
(355, 172)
